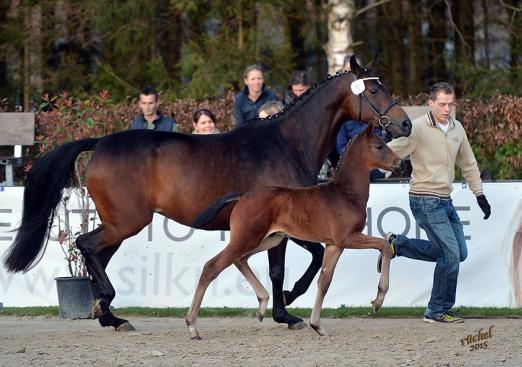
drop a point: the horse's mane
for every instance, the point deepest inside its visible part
(312, 90)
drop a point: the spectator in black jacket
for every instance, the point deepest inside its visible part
(151, 117)
(299, 83)
(254, 95)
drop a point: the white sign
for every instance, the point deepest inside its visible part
(160, 266)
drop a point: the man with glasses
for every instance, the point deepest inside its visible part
(438, 142)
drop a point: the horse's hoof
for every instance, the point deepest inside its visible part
(297, 326)
(127, 326)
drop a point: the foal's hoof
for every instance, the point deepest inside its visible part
(375, 306)
(127, 326)
(297, 326)
(319, 330)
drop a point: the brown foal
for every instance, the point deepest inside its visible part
(332, 213)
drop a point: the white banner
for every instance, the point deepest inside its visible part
(160, 266)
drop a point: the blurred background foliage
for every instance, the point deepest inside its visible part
(194, 52)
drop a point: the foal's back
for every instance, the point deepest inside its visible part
(320, 213)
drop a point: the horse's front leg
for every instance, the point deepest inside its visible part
(302, 285)
(362, 241)
(331, 256)
(276, 262)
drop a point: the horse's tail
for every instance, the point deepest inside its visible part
(213, 209)
(43, 190)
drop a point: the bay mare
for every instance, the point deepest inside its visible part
(333, 213)
(133, 174)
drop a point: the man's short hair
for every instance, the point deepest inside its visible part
(437, 88)
(271, 107)
(148, 91)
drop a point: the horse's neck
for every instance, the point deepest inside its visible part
(353, 173)
(312, 125)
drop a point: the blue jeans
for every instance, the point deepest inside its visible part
(446, 246)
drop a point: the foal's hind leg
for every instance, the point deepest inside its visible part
(331, 256)
(261, 293)
(211, 270)
(276, 261)
(302, 285)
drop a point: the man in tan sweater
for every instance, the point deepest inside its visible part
(438, 142)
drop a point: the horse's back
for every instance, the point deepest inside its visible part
(179, 175)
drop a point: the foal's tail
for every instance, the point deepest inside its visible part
(43, 191)
(213, 209)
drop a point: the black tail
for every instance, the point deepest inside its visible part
(43, 191)
(213, 209)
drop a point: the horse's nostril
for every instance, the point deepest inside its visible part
(406, 123)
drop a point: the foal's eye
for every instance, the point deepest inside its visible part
(373, 91)
(380, 146)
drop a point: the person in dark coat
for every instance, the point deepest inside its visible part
(253, 96)
(299, 83)
(151, 117)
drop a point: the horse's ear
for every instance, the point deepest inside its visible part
(372, 65)
(355, 67)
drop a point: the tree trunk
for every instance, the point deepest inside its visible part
(396, 44)
(415, 49)
(340, 40)
(464, 33)
(436, 40)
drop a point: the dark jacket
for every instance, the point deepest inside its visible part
(162, 123)
(288, 97)
(245, 109)
(349, 130)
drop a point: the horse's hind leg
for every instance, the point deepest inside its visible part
(103, 290)
(302, 285)
(261, 293)
(331, 257)
(276, 262)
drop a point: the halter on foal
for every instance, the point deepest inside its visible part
(332, 213)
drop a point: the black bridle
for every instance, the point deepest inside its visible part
(384, 120)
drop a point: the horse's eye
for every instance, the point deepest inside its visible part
(380, 146)
(373, 91)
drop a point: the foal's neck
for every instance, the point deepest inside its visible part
(353, 172)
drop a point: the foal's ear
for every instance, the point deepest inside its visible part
(355, 67)
(369, 130)
(372, 65)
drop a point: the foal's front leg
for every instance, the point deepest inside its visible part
(331, 256)
(362, 241)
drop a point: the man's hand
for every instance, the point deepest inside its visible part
(484, 205)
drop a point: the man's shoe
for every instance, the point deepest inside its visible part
(390, 237)
(444, 318)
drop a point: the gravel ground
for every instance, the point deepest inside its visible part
(51, 341)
